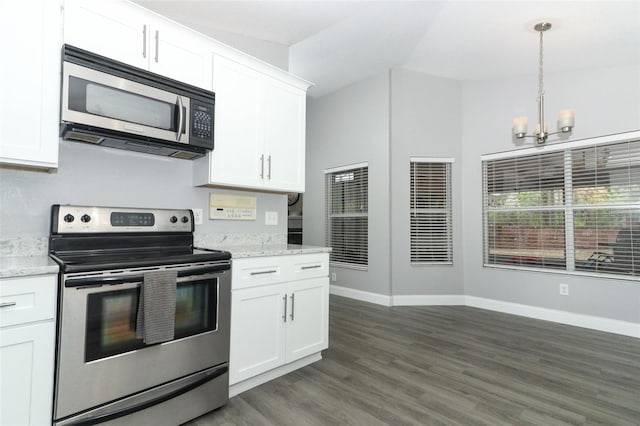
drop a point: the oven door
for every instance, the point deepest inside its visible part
(98, 99)
(101, 360)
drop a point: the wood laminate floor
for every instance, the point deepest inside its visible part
(449, 365)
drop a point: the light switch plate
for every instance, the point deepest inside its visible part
(270, 218)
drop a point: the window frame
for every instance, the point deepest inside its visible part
(568, 206)
(447, 210)
(329, 175)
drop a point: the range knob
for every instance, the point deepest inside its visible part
(85, 218)
(69, 218)
(173, 219)
(185, 219)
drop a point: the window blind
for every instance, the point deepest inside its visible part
(575, 209)
(347, 227)
(430, 211)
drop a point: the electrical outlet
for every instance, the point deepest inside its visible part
(333, 276)
(270, 218)
(197, 216)
(564, 289)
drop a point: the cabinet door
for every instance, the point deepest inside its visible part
(257, 331)
(285, 108)
(180, 54)
(236, 157)
(308, 325)
(114, 29)
(30, 83)
(26, 374)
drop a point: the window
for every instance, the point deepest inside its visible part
(572, 207)
(347, 215)
(430, 210)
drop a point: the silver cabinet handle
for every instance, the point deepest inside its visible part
(7, 304)
(292, 304)
(262, 166)
(144, 41)
(284, 317)
(271, 271)
(311, 267)
(157, 46)
(180, 118)
(269, 169)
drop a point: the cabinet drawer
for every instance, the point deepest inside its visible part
(27, 299)
(305, 266)
(251, 272)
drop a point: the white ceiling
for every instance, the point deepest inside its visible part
(335, 43)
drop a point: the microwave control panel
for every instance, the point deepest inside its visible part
(202, 124)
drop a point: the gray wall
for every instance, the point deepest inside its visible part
(347, 127)
(90, 175)
(606, 101)
(425, 122)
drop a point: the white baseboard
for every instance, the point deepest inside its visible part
(365, 296)
(244, 386)
(563, 317)
(624, 328)
(427, 300)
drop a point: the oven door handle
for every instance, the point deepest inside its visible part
(203, 270)
(98, 281)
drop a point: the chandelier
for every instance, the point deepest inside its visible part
(566, 119)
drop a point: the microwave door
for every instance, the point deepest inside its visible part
(98, 99)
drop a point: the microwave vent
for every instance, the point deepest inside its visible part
(84, 137)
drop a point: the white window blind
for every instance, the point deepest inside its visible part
(430, 210)
(574, 209)
(347, 228)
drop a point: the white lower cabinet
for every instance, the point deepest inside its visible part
(277, 318)
(27, 342)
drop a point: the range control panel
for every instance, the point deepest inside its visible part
(67, 219)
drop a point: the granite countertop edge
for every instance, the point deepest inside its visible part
(25, 266)
(245, 251)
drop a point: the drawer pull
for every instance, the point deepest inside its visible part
(272, 271)
(311, 267)
(7, 304)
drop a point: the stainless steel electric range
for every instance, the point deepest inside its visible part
(104, 371)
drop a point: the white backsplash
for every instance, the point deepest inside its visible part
(24, 246)
(214, 241)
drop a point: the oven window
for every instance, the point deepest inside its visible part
(111, 317)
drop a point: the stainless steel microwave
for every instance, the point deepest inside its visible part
(109, 103)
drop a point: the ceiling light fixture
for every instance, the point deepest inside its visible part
(566, 119)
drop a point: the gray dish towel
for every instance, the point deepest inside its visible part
(156, 318)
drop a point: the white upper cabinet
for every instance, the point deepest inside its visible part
(238, 126)
(284, 133)
(128, 33)
(259, 128)
(30, 83)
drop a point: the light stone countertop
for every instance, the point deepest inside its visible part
(24, 266)
(260, 250)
